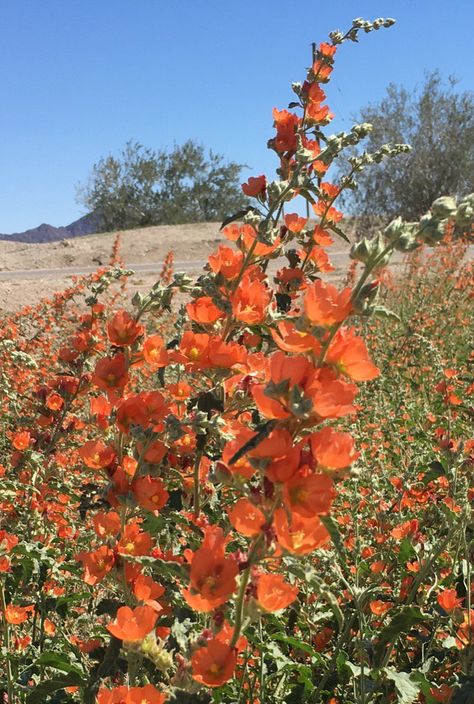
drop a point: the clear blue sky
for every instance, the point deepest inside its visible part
(81, 77)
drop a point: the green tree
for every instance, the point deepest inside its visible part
(143, 187)
(438, 123)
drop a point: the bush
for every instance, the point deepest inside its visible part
(438, 123)
(145, 187)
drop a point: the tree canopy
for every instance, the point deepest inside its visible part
(438, 123)
(143, 187)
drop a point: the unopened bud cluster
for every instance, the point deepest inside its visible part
(359, 24)
(407, 236)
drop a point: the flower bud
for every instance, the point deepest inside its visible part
(394, 229)
(361, 251)
(443, 207)
(465, 211)
(431, 229)
(407, 242)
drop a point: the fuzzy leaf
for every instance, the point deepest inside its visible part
(407, 689)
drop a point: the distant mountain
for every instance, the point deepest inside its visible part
(86, 225)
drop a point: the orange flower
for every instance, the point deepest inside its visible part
(332, 398)
(17, 614)
(295, 223)
(255, 186)
(111, 372)
(147, 590)
(320, 259)
(155, 405)
(325, 306)
(225, 354)
(49, 627)
(54, 402)
(129, 465)
(331, 215)
(285, 373)
(203, 310)
(96, 564)
(349, 354)
(154, 351)
(132, 411)
(322, 236)
(321, 70)
(101, 408)
(214, 664)
(193, 350)
(134, 541)
(106, 524)
(273, 593)
(379, 607)
(131, 695)
(290, 339)
(250, 301)
(448, 600)
(246, 518)
(96, 455)
(123, 330)
(309, 494)
(327, 49)
(302, 535)
(227, 262)
(21, 440)
(285, 456)
(332, 450)
(246, 236)
(133, 625)
(180, 391)
(156, 451)
(286, 124)
(405, 529)
(150, 493)
(465, 632)
(212, 575)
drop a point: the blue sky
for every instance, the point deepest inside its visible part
(81, 77)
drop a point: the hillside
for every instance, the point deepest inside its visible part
(48, 233)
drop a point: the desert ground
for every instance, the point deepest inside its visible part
(29, 272)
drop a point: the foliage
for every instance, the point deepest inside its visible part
(226, 499)
(144, 187)
(438, 122)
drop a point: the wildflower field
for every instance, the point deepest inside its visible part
(255, 486)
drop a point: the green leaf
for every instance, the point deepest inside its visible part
(406, 551)
(407, 690)
(338, 231)
(72, 679)
(58, 662)
(436, 470)
(331, 527)
(279, 658)
(300, 645)
(401, 623)
(239, 215)
(382, 312)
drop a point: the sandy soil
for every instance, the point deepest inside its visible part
(142, 246)
(145, 247)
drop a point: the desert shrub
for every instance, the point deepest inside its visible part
(143, 187)
(438, 122)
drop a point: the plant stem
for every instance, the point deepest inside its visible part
(6, 633)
